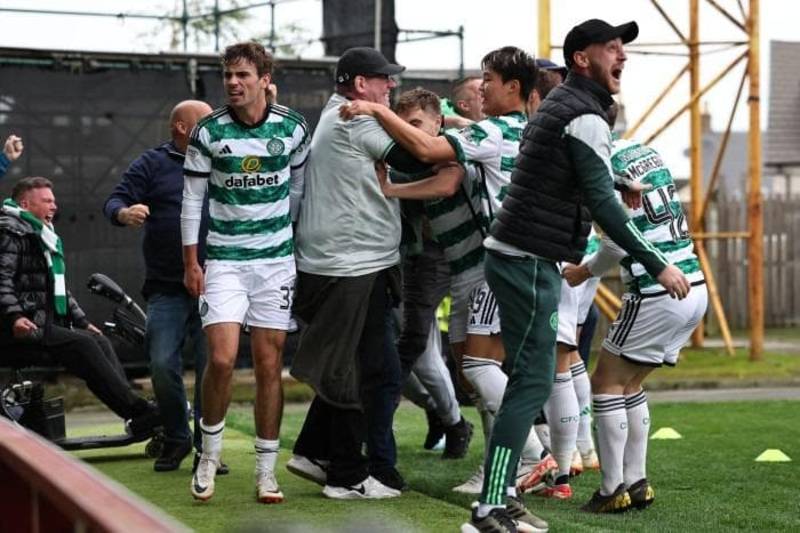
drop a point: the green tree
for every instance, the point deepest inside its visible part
(202, 23)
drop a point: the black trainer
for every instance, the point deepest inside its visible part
(435, 430)
(457, 439)
(497, 521)
(145, 423)
(642, 494)
(516, 509)
(617, 502)
(172, 454)
(222, 469)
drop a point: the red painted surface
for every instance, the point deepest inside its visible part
(47, 490)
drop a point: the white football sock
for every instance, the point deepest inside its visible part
(266, 454)
(543, 431)
(484, 509)
(638, 431)
(612, 431)
(489, 382)
(487, 378)
(486, 419)
(583, 392)
(212, 439)
(561, 409)
(533, 450)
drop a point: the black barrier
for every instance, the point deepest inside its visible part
(85, 116)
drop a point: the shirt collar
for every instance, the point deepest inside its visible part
(597, 91)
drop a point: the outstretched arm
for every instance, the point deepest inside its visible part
(424, 147)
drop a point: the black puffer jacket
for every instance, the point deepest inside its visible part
(26, 287)
(543, 212)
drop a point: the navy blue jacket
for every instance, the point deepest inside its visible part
(4, 164)
(155, 179)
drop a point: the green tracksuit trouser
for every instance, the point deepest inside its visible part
(527, 291)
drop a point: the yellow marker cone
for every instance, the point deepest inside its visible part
(665, 434)
(773, 455)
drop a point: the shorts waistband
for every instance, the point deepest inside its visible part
(663, 293)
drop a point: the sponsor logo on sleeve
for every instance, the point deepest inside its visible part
(192, 153)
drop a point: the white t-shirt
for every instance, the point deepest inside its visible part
(347, 227)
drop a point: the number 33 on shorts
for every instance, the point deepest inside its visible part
(287, 292)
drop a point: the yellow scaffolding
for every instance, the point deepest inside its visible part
(747, 22)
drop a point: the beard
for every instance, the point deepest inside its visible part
(603, 77)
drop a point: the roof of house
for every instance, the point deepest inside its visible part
(782, 146)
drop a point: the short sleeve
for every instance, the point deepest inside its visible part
(479, 142)
(198, 154)
(368, 135)
(300, 143)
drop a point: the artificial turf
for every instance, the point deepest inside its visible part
(706, 481)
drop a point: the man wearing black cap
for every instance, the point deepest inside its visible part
(348, 238)
(562, 169)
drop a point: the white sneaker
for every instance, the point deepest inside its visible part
(576, 467)
(370, 489)
(267, 487)
(310, 469)
(203, 479)
(473, 485)
(590, 460)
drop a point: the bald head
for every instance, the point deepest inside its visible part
(183, 118)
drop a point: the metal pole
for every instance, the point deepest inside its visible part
(543, 48)
(696, 135)
(378, 6)
(185, 24)
(272, 27)
(216, 25)
(460, 52)
(755, 252)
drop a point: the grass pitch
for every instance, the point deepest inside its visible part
(706, 481)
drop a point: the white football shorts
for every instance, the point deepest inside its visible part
(587, 297)
(259, 295)
(484, 316)
(461, 287)
(651, 331)
(568, 314)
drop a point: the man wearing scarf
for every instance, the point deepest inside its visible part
(38, 316)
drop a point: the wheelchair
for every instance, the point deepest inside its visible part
(22, 400)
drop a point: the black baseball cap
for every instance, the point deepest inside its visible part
(364, 61)
(595, 31)
(546, 64)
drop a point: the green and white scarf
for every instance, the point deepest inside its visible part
(53, 252)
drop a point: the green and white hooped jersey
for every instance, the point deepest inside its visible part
(660, 219)
(248, 170)
(455, 227)
(492, 143)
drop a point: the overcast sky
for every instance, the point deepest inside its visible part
(487, 25)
